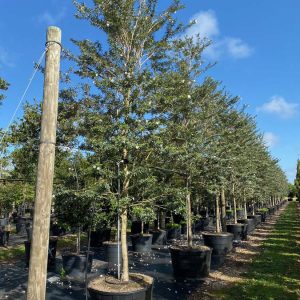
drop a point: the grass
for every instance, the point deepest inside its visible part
(11, 254)
(274, 274)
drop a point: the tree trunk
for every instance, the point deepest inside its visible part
(218, 228)
(234, 205)
(78, 241)
(189, 220)
(125, 272)
(223, 210)
(162, 220)
(142, 227)
(245, 210)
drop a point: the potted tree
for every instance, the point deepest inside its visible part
(73, 210)
(142, 242)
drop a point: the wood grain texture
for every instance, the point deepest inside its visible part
(42, 208)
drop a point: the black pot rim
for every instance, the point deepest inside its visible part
(221, 234)
(194, 249)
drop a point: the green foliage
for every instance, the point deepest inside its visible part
(80, 209)
(144, 214)
(15, 194)
(297, 179)
(172, 226)
(3, 86)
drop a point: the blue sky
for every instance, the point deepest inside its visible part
(256, 47)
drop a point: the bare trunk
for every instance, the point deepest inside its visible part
(253, 208)
(125, 272)
(78, 241)
(245, 210)
(162, 220)
(142, 227)
(234, 205)
(223, 210)
(218, 227)
(189, 220)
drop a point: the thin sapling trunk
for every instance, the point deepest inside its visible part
(234, 205)
(218, 227)
(223, 210)
(189, 215)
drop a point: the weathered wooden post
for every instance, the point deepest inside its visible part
(42, 208)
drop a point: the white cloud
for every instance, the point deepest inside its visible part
(237, 48)
(278, 105)
(207, 26)
(51, 19)
(270, 139)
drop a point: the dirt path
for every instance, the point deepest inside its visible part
(238, 262)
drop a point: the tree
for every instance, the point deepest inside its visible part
(3, 86)
(297, 179)
(120, 92)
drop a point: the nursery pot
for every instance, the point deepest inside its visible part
(75, 264)
(236, 230)
(221, 244)
(239, 213)
(183, 229)
(173, 233)
(263, 216)
(104, 288)
(190, 263)
(159, 237)
(111, 254)
(29, 233)
(99, 236)
(257, 218)
(141, 242)
(250, 224)
(51, 251)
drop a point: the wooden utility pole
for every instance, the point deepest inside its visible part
(42, 208)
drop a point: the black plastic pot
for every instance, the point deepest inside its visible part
(250, 224)
(221, 244)
(183, 229)
(263, 216)
(29, 233)
(159, 237)
(21, 228)
(97, 293)
(99, 236)
(51, 251)
(75, 264)
(111, 255)
(236, 230)
(173, 233)
(229, 215)
(256, 218)
(141, 243)
(190, 263)
(239, 213)
(199, 226)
